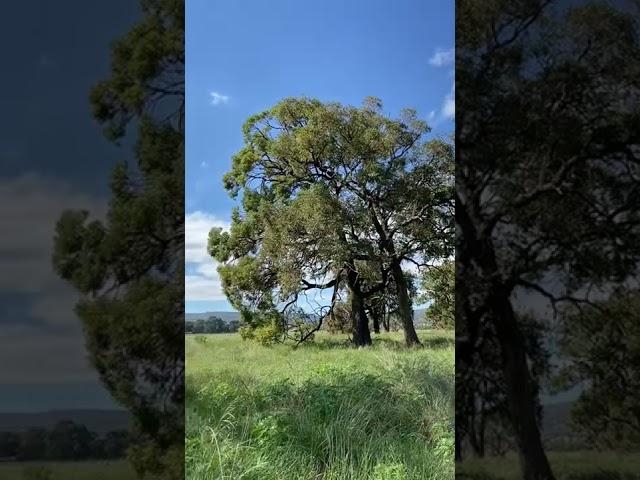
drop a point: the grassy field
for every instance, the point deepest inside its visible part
(322, 411)
(117, 470)
(582, 465)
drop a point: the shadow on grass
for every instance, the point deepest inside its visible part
(438, 342)
(388, 343)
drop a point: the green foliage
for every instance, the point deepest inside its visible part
(269, 431)
(442, 435)
(321, 184)
(65, 441)
(439, 285)
(147, 65)
(9, 444)
(268, 334)
(394, 471)
(33, 444)
(601, 346)
(320, 410)
(201, 339)
(69, 441)
(246, 333)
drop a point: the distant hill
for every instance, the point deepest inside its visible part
(99, 421)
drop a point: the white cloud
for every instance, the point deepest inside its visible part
(196, 227)
(204, 282)
(218, 98)
(26, 347)
(449, 104)
(43, 324)
(442, 57)
(31, 205)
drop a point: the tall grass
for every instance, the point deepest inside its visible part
(322, 411)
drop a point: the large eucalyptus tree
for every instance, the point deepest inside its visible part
(328, 193)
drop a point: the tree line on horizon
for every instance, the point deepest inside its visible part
(212, 324)
(66, 440)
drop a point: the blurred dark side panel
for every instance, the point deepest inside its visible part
(548, 225)
(91, 243)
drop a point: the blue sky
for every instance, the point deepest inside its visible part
(244, 56)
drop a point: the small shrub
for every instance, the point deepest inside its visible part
(269, 431)
(267, 334)
(201, 339)
(246, 332)
(394, 471)
(443, 439)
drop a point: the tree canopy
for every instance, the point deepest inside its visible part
(333, 197)
(600, 344)
(438, 284)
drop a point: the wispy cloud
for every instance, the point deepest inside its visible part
(204, 284)
(449, 105)
(218, 98)
(442, 57)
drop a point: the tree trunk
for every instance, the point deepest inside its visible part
(481, 436)
(483, 423)
(405, 310)
(473, 434)
(375, 317)
(359, 321)
(519, 385)
(385, 318)
(520, 393)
